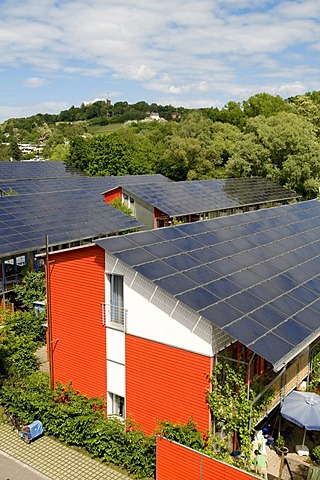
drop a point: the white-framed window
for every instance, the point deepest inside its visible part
(117, 405)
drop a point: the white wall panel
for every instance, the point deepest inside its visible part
(116, 378)
(115, 345)
(148, 321)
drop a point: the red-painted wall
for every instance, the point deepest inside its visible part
(177, 461)
(78, 337)
(115, 193)
(165, 383)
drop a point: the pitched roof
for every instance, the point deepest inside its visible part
(43, 169)
(26, 220)
(254, 275)
(186, 198)
(96, 185)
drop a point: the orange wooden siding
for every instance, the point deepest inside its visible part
(176, 461)
(115, 193)
(78, 337)
(165, 383)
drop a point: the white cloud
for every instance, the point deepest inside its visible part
(212, 49)
(35, 82)
(26, 110)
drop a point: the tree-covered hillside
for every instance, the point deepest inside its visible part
(264, 135)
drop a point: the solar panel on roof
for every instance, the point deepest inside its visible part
(268, 277)
(25, 170)
(98, 185)
(186, 198)
(26, 220)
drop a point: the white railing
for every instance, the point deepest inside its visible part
(113, 315)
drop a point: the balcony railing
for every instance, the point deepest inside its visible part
(286, 381)
(114, 315)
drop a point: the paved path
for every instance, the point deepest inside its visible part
(12, 469)
(53, 460)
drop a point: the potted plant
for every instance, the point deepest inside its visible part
(281, 445)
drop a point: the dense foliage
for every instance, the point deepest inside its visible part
(263, 135)
(231, 403)
(314, 385)
(31, 289)
(79, 421)
(315, 454)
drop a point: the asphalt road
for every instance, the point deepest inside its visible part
(11, 469)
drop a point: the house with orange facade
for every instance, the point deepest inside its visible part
(141, 319)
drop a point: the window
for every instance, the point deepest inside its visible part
(116, 404)
(116, 299)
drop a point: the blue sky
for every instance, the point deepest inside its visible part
(191, 53)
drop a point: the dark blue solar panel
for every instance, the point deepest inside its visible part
(187, 243)
(268, 316)
(224, 267)
(201, 275)
(264, 291)
(308, 318)
(182, 262)
(176, 283)
(221, 314)
(271, 347)
(204, 255)
(283, 282)
(313, 284)
(222, 288)
(163, 250)
(198, 298)
(244, 301)
(246, 330)
(155, 270)
(292, 331)
(303, 295)
(169, 233)
(136, 256)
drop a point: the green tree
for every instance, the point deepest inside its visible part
(15, 152)
(32, 288)
(79, 155)
(25, 323)
(265, 104)
(283, 147)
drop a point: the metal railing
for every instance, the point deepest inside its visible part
(114, 315)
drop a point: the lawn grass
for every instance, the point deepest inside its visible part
(98, 129)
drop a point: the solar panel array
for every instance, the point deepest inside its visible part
(94, 184)
(24, 170)
(255, 275)
(186, 198)
(25, 220)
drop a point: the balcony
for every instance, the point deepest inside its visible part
(113, 316)
(286, 381)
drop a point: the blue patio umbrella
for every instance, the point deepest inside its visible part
(303, 409)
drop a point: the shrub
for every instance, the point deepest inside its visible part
(315, 454)
(32, 288)
(81, 421)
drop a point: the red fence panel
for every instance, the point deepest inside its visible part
(175, 461)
